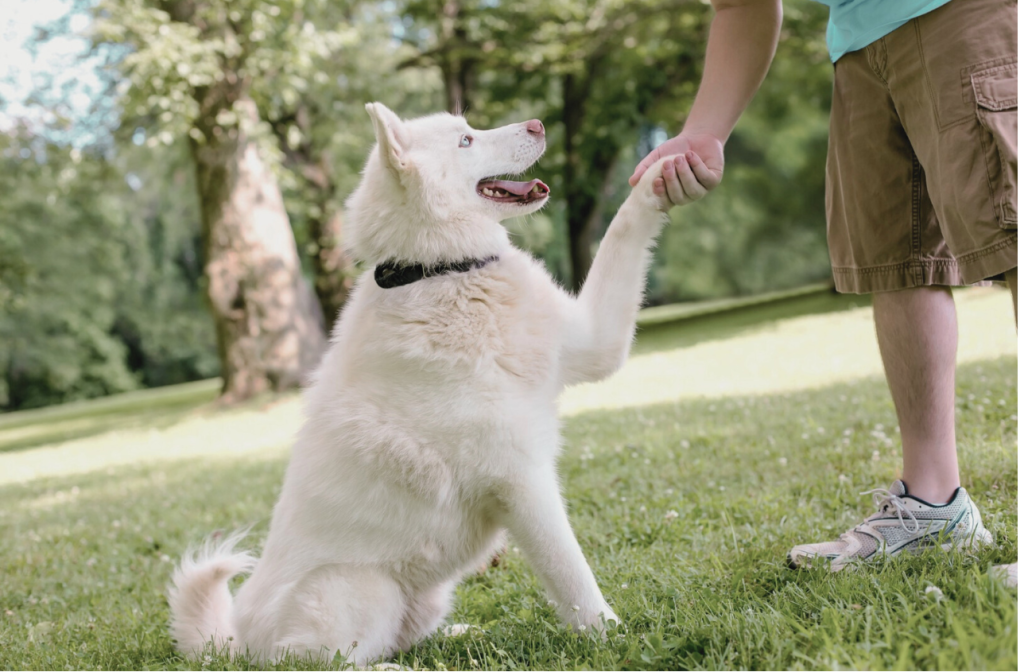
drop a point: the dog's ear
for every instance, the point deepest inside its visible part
(391, 137)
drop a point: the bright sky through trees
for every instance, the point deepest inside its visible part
(26, 66)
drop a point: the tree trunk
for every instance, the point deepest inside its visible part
(585, 179)
(583, 211)
(269, 328)
(456, 62)
(333, 268)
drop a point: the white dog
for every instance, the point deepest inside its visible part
(432, 421)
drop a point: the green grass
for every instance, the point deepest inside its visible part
(758, 427)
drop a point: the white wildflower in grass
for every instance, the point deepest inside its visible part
(671, 515)
(821, 430)
(805, 436)
(848, 431)
(684, 444)
(643, 509)
(625, 585)
(669, 491)
(934, 592)
(843, 478)
(875, 456)
(783, 461)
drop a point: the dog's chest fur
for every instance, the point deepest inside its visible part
(429, 400)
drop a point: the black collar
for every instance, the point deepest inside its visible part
(394, 274)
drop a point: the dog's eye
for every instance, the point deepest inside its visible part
(466, 141)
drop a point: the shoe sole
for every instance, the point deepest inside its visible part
(981, 537)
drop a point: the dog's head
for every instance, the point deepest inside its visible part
(435, 181)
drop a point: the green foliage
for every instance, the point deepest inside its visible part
(162, 316)
(764, 227)
(91, 299)
(60, 294)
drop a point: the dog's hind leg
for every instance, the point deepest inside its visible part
(355, 610)
(425, 612)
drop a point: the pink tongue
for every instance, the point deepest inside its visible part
(517, 188)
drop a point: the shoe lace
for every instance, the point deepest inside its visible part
(885, 500)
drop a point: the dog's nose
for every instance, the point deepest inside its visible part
(534, 127)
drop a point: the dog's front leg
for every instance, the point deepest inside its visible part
(535, 515)
(603, 317)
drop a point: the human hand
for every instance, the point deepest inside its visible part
(690, 176)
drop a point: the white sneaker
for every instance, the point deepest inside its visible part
(903, 523)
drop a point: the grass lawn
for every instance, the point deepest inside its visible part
(727, 439)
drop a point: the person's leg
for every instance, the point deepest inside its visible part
(917, 336)
(1008, 573)
(1011, 282)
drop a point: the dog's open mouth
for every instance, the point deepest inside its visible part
(506, 191)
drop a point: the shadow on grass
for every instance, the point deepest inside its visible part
(158, 409)
(685, 511)
(694, 330)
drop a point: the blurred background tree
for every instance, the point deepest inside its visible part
(109, 244)
(189, 69)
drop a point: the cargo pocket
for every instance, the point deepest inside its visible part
(995, 91)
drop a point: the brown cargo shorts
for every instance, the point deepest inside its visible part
(921, 184)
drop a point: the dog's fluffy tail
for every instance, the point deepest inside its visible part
(201, 604)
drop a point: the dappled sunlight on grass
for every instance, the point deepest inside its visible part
(776, 348)
(157, 407)
(779, 355)
(256, 430)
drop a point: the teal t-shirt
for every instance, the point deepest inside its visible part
(854, 24)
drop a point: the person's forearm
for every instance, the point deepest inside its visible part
(741, 45)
